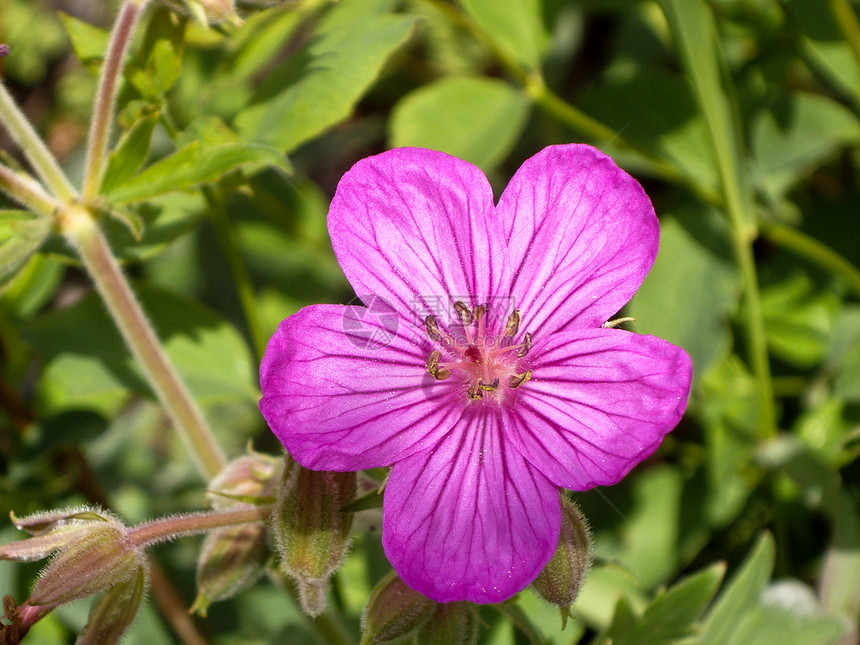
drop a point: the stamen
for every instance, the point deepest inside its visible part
(513, 324)
(489, 387)
(465, 314)
(527, 345)
(432, 328)
(480, 310)
(433, 366)
(518, 379)
(475, 393)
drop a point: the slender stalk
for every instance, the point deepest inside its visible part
(84, 234)
(106, 96)
(848, 24)
(166, 528)
(27, 191)
(34, 148)
(814, 251)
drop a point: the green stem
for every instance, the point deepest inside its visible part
(814, 251)
(848, 24)
(27, 191)
(84, 234)
(34, 148)
(241, 276)
(97, 141)
(166, 528)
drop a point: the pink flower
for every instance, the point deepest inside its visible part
(480, 372)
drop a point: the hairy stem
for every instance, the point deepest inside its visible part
(34, 148)
(106, 96)
(28, 192)
(166, 528)
(84, 234)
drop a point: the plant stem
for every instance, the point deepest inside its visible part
(34, 148)
(166, 528)
(27, 191)
(814, 251)
(106, 96)
(84, 234)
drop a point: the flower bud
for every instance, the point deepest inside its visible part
(453, 623)
(310, 532)
(232, 558)
(394, 611)
(114, 612)
(243, 481)
(94, 561)
(560, 580)
(92, 553)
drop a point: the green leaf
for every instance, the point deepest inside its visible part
(671, 616)
(730, 413)
(695, 33)
(190, 165)
(740, 594)
(515, 27)
(319, 85)
(129, 155)
(23, 237)
(684, 270)
(791, 140)
(88, 365)
(799, 320)
(476, 119)
(89, 42)
(825, 43)
(769, 624)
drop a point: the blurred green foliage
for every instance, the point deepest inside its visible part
(230, 142)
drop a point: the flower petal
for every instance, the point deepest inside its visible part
(344, 389)
(469, 519)
(412, 226)
(599, 402)
(582, 234)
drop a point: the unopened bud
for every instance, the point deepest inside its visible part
(245, 480)
(560, 580)
(453, 623)
(94, 561)
(232, 558)
(310, 532)
(394, 611)
(114, 612)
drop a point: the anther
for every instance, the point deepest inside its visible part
(475, 393)
(432, 328)
(480, 310)
(518, 379)
(465, 314)
(527, 345)
(489, 387)
(433, 366)
(513, 324)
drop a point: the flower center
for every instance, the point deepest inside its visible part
(487, 362)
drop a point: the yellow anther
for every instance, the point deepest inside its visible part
(527, 345)
(465, 314)
(475, 393)
(513, 324)
(432, 328)
(433, 366)
(489, 387)
(518, 379)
